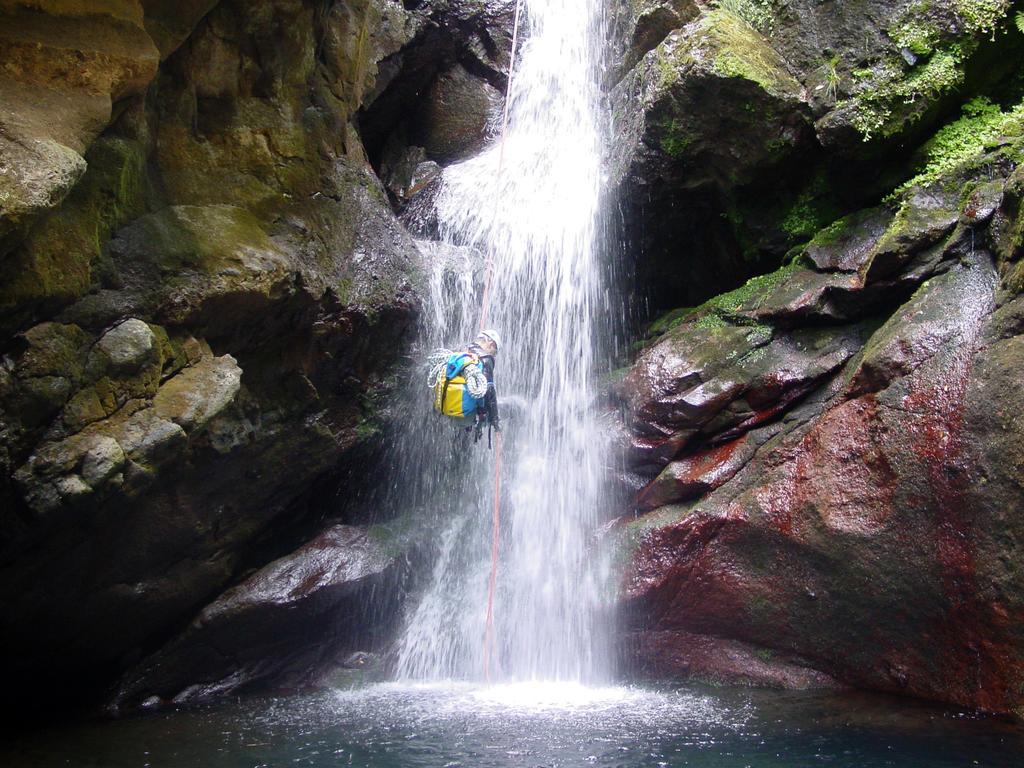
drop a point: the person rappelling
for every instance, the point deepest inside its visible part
(463, 384)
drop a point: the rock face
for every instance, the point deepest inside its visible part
(204, 296)
(831, 455)
(444, 95)
(282, 623)
(741, 129)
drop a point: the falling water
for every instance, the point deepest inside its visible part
(538, 223)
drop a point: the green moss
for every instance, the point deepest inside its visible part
(893, 94)
(58, 259)
(812, 210)
(735, 49)
(831, 233)
(721, 310)
(710, 322)
(964, 139)
(668, 321)
(735, 64)
(675, 141)
(742, 52)
(759, 14)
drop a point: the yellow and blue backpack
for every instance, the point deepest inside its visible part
(459, 390)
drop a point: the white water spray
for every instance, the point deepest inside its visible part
(538, 222)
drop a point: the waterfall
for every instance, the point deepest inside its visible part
(538, 222)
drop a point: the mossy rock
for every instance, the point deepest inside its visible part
(713, 102)
(57, 262)
(930, 46)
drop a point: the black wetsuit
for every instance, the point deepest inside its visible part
(489, 409)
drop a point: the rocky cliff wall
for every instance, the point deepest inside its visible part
(204, 297)
(825, 461)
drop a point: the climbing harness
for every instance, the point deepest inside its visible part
(484, 306)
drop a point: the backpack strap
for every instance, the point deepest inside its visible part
(444, 392)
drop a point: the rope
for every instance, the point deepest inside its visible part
(484, 306)
(489, 631)
(489, 263)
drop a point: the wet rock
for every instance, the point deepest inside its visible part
(646, 24)
(940, 312)
(361, 660)
(410, 173)
(712, 377)
(456, 114)
(861, 523)
(719, 661)
(847, 244)
(284, 622)
(927, 216)
(686, 113)
(695, 475)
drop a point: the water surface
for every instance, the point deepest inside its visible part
(453, 725)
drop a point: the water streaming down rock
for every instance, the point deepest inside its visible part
(538, 221)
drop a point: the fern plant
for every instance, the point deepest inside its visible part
(1019, 21)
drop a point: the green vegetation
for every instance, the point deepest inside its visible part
(751, 293)
(894, 92)
(668, 321)
(812, 210)
(721, 310)
(982, 124)
(915, 30)
(981, 15)
(831, 77)
(675, 142)
(759, 14)
(881, 109)
(1019, 21)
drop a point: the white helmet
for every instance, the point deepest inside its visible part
(491, 335)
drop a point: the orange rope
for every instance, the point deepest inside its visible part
(489, 632)
(486, 300)
(484, 305)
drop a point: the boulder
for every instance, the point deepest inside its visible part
(712, 103)
(719, 661)
(284, 623)
(454, 119)
(862, 529)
